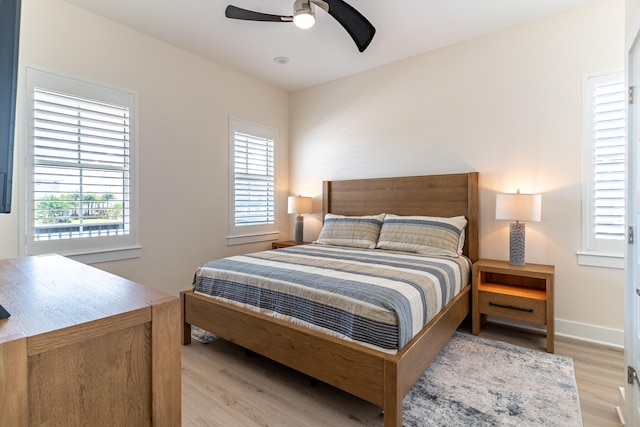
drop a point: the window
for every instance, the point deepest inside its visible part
(253, 214)
(604, 110)
(80, 169)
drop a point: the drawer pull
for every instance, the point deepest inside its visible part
(510, 307)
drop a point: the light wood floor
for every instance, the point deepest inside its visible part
(221, 386)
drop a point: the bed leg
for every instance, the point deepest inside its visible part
(186, 327)
(186, 333)
(393, 418)
(392, 397)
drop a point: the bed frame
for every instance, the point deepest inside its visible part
(372, 375)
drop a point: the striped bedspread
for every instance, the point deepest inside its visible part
(374, 297)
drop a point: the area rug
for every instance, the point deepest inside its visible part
(200, 335)
(475, 382)
(478, 382)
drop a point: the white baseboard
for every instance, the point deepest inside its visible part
(591, 333)
(575, 330)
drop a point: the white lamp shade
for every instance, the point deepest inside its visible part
(299, 205)
(519, 207)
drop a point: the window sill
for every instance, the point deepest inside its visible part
(105, 255)
(593, 259)
(252, 238)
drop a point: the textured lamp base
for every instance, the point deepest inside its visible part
(516, 243)
(299, 228)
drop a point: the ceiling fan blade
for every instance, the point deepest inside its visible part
(358, 27)
(234, 12)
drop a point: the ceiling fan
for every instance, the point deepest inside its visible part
(358, 27)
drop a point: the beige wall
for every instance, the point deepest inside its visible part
(507, 105)
(184, 105)
(631, 10)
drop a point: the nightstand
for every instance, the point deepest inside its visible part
(523, 293)
(286, 244)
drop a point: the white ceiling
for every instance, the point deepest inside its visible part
(325, 52)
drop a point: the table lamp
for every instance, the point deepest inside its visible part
(518, 207)
(299, 205)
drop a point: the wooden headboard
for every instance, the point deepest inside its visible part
(430, 195)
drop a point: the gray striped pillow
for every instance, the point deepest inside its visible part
(423, 234)
(351, 231)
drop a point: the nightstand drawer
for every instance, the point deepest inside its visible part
(513, 307)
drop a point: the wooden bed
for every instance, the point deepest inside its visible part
(372, 375)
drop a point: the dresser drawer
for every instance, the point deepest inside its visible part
(513, 307)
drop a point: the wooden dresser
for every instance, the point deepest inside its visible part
(86, 348)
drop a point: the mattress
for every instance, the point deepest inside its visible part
(374, 297)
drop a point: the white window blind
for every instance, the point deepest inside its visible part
(81, 169)
(604, 157)
(254, 180)
(609, 160)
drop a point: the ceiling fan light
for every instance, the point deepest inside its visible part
(303, 16)
(304, 20)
